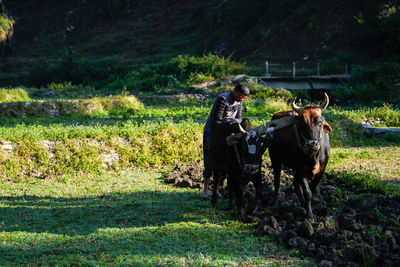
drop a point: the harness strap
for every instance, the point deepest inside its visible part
(297, 135)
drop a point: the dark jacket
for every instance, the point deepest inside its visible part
(224, 111)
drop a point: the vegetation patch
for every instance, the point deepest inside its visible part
(14, 95)
(62, 107)
(372, 84)
(128, 218)
(97, 149)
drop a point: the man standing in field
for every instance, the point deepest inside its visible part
(227, 108)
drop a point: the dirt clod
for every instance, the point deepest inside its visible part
(296, 242)
(351, 227)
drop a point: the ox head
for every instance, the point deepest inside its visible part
(252, 147)
(311, 126)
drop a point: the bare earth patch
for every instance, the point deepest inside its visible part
(352, 227)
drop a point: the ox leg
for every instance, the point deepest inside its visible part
(215, 188)
(298, 189)
(308, 197)
(205, 188)
(239, 201)
(314, 182)
(230, 193)
(257, 181)
(277, 182)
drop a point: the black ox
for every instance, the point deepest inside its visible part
(240, 162)
(303, 147)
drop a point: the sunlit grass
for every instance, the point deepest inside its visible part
(375, 168)
(14, 95)
(123, 218)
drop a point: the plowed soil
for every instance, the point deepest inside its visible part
(351, 227)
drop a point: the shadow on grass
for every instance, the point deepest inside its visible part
(349, 133)
(87, 215)
(364, 182)
(141, 228)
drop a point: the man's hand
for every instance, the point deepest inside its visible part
(243, 131)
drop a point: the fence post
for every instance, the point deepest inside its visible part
(318, 69)
(294, 70)
(267, 74)
(346, 69)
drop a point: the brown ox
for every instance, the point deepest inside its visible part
(303, 147)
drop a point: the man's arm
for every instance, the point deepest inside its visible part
(239, 112)
(219, 110)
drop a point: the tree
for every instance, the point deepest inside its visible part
(6, 31)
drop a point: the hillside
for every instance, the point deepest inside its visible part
(135, 31)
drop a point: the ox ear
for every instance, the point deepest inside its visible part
(327, 128)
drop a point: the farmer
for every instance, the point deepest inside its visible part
(227, 108)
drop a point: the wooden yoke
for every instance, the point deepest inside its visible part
(260, 130)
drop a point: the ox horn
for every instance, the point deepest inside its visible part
(295, 107)
(326, 102)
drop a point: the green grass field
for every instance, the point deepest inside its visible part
(124, 218)
(60, 205)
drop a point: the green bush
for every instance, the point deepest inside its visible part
(72, 149)
(260, 91)
(69, 90)
(372, 84)
(14, 95)
(71, 68)
(199, 78)
(210, 64)
(178, 73)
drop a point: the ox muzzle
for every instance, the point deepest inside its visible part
(311, 147)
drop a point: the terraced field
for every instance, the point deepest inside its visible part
(88, 188)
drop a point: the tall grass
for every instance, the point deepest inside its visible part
(57, 149)
(150, 136)
(14, 95)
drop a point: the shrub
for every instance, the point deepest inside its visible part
(210, 64)
(260, 91)
(69, 90)
(178, 73)
(372, 84)
(74, 149)
(14, 95)
(265, 108)
(71, 68)
(199, 78)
